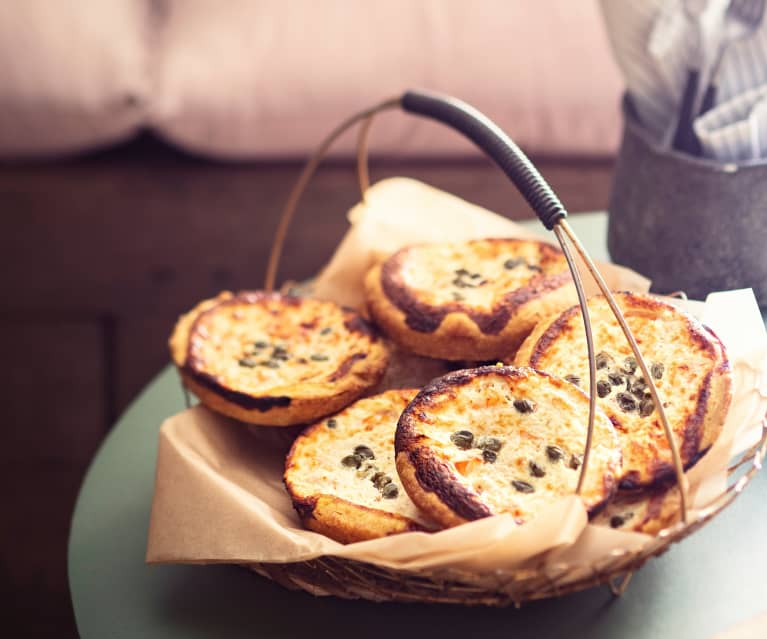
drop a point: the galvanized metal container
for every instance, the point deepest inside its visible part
(688, 223)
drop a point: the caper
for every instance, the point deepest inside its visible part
(457, 297)
(603, 359)
(489, 456)
(629, 365)
(657, 370)
(280, 353)
(522, 486)
(534, 267)
(616, 521)
(513, 263)
(326, 331)
(461, 283)
(390, 491)
(575, 461)
(270, 363)
(646, 407)
(463, 439)
(261, 344)
(573, 379)
(554, 453)
(332, 422)
(489, 443)
(603, 388)
(475, 276)
(352, 461)
(536, 470)
(364, 452)
(380, 480)
(247, 362)
(319, 357)
(616, 379)
(637, 387)
(524, 405)
(461, 271)
(626, 402)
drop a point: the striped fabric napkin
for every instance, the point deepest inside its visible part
(655, 43)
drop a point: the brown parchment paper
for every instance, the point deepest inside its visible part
(219, 496)
(401, 211)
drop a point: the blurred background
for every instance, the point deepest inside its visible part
(147, 147)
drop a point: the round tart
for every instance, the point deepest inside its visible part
(341, 476)
(688, 365)
(276, 360)
(474, 300)
(498, 439)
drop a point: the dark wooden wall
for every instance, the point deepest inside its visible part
(99, 256)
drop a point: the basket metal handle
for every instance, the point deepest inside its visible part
(489, 137)
(514, 163)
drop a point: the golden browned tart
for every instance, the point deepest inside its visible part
(688, 365)
(474, 300)
(498, 439)
(646, 511)
(276, 360)
(341, 477)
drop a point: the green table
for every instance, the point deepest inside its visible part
(708, 583)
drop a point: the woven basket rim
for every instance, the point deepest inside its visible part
(354, 579)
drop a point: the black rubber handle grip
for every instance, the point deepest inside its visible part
(493, 141)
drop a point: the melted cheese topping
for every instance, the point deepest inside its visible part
(485, 407)
(476, 273)
(260, 346)
(315, 465)
(664, 339)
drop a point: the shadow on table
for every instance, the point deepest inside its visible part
(193, 602)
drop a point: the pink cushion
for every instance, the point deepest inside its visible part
(271, 78)
(244, 79)
(73, 76)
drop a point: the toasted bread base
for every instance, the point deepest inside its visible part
(348, 523)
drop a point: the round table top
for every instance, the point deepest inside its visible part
(700, 587)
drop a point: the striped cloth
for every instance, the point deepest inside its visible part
(655, 43)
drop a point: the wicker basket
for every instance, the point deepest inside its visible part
(357, 580)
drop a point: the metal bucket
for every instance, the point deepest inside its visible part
(688, 223)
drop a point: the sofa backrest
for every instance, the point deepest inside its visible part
(242, 79)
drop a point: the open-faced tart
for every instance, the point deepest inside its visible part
(276, 360)
(474, 300)
(688, 365)
(497, 439)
